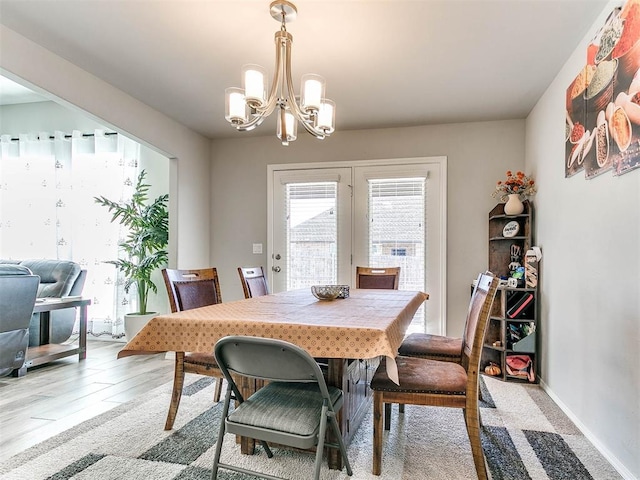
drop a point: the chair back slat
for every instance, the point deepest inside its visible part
(254, 281)
(477, 319)
(267, 359)
(378, 278)
(192, 288)
(195, 294)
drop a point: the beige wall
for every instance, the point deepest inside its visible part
(477, 156)
(589, 231)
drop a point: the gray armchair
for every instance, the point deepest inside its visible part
(18, 289)
(58, 278)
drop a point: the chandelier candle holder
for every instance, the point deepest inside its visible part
(247, 107)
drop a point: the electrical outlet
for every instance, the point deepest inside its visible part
(257, 248)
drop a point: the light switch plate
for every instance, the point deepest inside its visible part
(257, 248)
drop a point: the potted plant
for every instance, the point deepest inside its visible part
(144, 246)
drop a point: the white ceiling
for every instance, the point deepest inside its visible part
(387, 63)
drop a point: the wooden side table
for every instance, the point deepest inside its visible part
(46, 352)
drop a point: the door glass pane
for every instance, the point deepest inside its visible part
(312, 234)
(396, 216)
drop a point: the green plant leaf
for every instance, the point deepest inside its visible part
(146, 240)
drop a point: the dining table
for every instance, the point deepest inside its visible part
(352, 333)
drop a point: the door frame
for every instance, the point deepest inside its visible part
(440, 161)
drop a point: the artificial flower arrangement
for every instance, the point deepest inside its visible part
(516, 183)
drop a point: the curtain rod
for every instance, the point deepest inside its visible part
(52, 137)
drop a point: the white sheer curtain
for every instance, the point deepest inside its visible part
(47, 186)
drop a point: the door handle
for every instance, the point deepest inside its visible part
(276, 269)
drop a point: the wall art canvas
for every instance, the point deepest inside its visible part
(575, 121)
(605, 136)
(599, 95)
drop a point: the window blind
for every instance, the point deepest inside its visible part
(312, 233)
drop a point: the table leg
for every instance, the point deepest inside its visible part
(336, 378)
(82, 341)
(45, 324)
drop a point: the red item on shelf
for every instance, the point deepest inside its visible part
(520, 305)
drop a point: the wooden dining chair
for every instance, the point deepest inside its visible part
(432, 347)
(383, 278)
(440, 384)
(190, 289)
(254, 282)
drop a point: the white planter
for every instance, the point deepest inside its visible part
(514, 205)
(134, 322)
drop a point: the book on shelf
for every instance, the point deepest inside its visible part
(518, 307)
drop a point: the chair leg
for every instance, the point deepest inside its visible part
(472, 420)
(320, 446)
(401, 408)
(387, 416)
(377, 432)
(221, 430)
(176, 394)
(343, 449)
(217, 390)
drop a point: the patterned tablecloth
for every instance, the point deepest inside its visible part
(368, 324)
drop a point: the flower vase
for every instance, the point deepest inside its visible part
(514, 205)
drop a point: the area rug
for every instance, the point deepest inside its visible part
(525, 436)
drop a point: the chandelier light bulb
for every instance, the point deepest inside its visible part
(247, 107)
(255, 86)
(235, 106)
(290, 131)
(312, 92)
(326, 116)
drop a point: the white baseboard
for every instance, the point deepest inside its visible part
(606, 453)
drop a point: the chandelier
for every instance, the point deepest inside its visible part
(247, 107)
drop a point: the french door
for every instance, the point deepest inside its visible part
(311, 228)
(327, 219)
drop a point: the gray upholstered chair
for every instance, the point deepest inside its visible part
(18, 288)
(293, 409)
(58, 278)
